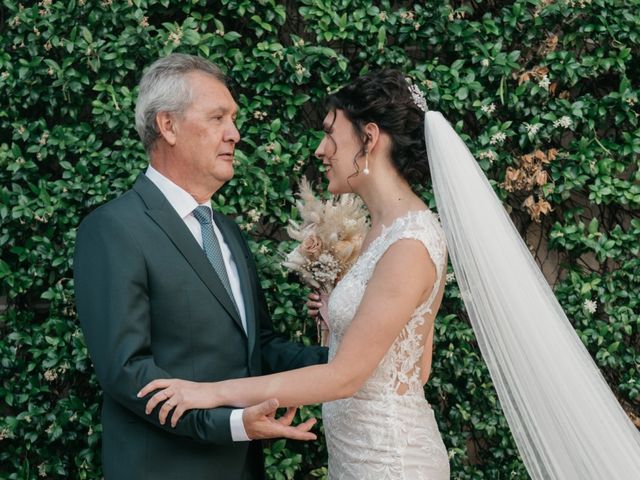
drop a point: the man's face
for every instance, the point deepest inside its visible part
(206, 133)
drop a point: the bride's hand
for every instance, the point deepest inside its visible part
(313, 304)
(179, 396)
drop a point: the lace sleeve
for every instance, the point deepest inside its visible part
(422, 226)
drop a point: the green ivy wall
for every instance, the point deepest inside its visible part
(544, 92)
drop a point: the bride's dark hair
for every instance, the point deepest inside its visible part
(383, 98)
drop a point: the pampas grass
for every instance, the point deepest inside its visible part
(330, 234)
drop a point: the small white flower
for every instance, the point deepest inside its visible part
(590, 306)
(485, 62)
(50, 375)
(175, 37)
(382, 16)
(300, 70)
(488, 154)
(427, 83)
(532, 128)
(578, 3)
(544, 82)
(254, 215)
(407, 15)
(325, 270)
(488, 109)
(564, 122)
(450, 277)
(498, 137)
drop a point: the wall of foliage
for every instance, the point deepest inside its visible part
(545, 92)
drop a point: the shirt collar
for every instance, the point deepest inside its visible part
(180, 199)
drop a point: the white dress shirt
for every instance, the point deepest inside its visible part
(184, 204)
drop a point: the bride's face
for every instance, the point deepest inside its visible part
(338, 150)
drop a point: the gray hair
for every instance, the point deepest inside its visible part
(164, 87)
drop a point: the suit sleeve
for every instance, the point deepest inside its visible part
(278, 354)
(112, 299)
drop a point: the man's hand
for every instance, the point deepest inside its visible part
(260, 422)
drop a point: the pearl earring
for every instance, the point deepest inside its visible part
(366, 163)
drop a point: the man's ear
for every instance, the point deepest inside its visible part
(166, 123)
(372, 135)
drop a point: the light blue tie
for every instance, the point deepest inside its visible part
(212, 247)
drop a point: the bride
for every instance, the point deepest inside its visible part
(564, 418)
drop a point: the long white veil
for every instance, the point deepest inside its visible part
(565, 420)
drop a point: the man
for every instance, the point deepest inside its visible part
(167, 288)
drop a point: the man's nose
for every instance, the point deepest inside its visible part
(232, 134)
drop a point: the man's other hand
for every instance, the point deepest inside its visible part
(260, 422)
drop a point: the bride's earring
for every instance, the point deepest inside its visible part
(366, 163)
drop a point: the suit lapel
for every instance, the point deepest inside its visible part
(234, 242)
(159, 209)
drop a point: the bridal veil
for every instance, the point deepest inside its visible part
(565, 420)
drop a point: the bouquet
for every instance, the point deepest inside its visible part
(330, 235)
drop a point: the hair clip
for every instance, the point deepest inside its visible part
(418, 97)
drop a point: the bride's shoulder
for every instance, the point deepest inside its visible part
(423, 225)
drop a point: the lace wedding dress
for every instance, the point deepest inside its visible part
(387, 430)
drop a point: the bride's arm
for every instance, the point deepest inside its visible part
(403, 278)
